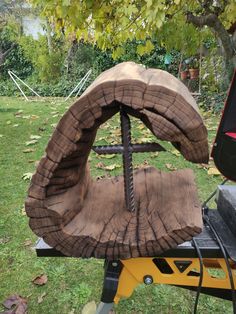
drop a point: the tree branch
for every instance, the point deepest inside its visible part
(4, 54)
(213, 22)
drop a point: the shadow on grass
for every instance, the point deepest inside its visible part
(8, 109)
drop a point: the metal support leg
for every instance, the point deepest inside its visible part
(110, 284)
(104, 308)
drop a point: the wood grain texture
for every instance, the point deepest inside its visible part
(82, 217)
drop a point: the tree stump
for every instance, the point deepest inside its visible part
(85, 218)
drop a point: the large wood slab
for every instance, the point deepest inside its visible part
(83, 217)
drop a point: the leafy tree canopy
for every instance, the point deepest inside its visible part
(111, 23)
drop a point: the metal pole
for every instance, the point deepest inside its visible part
(127, 160)
(25, 84)
(82, 85)
(75, 88)
(80, 82)
(11, 76)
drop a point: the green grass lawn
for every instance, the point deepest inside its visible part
(25, 128)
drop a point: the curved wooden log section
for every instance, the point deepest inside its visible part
(82, 217)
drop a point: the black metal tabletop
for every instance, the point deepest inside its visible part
(206, 242)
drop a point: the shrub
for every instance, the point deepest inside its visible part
(48, 63)
(60, 89)
(15, 60)
(8, 88)
(210, 101)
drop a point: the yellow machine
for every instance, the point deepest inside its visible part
(175, 271)
(202, 265)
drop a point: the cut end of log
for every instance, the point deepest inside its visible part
(84, 218)
(167, 214)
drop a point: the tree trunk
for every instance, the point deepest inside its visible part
(71, 56)
(48, 34)
(4, 54)
(215, 24)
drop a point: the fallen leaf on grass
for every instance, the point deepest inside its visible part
(109, 156)
(103, 138)
(144, 164)
(113, 142)
(213, 128)
(28, 242)
(213, 171)
(41, 297)
(106, 125)
(141, 127)
(31, 142)
(206, 114)
(15, 304)
(116, 132)
(100, 165)
(27, 176)
(8, 122)
(89, 308)
(40, 280)
(156, 154)
(15, 125)
(34, 117)
(205, 166)
(1, 135)
(112, 167)
(175, 152)
(170, 167)
(4, 240)
(147, 132)
(18, 113)
(28, 150)
(23, 212)
(35, 137)
(144, 140)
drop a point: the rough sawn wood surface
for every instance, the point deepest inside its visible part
(82, 217)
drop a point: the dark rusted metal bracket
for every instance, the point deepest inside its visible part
(126, 149)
